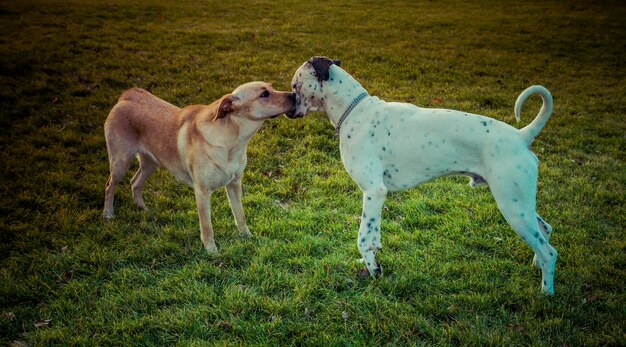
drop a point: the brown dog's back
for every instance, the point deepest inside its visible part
(139, 108)
(142, 122)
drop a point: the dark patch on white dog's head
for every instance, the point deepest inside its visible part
(308, 84)
(321, 65)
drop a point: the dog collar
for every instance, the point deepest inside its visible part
(348, 110)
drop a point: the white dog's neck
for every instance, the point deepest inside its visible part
(340, 91)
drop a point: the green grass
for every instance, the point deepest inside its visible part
(455, 273)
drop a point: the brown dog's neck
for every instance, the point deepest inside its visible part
(239, 129)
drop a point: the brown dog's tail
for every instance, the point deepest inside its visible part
(531, 131)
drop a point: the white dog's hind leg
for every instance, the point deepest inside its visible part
(526, 226)
(516, 200)
(369, 240)
(547, 231)
(119, 162)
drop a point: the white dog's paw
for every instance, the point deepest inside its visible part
(549, 291)
(108, 214)
(371, 268)
(374, 269)
(365, 272)
(477, 181)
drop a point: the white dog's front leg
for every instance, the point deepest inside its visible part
(369, 240)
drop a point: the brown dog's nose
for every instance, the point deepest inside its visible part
(292, 97)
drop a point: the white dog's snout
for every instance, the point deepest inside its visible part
(299, 105)
(297, 110)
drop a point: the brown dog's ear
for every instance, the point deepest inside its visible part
(321, 65)
(228, 104)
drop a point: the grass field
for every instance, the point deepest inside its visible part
(455, 272)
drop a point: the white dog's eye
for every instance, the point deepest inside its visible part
(265, 94)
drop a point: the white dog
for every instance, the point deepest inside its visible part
(201, 145)
(390, 146)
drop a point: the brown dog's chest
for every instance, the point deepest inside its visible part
(214, 165)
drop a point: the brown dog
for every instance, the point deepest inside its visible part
(201, 145)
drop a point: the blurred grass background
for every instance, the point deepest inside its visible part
(455, 273)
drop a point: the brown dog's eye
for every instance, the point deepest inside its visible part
(265, 94)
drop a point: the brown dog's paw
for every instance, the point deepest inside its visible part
(246, 234)
(211, 250)
(108, 215)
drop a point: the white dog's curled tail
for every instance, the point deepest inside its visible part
(530, 131)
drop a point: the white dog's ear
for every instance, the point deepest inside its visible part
(228, 104)
(321, 65)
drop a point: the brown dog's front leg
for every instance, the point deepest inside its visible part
(203, 201)
(234, 196)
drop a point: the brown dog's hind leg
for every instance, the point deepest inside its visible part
(147, 166)
(118, 167)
